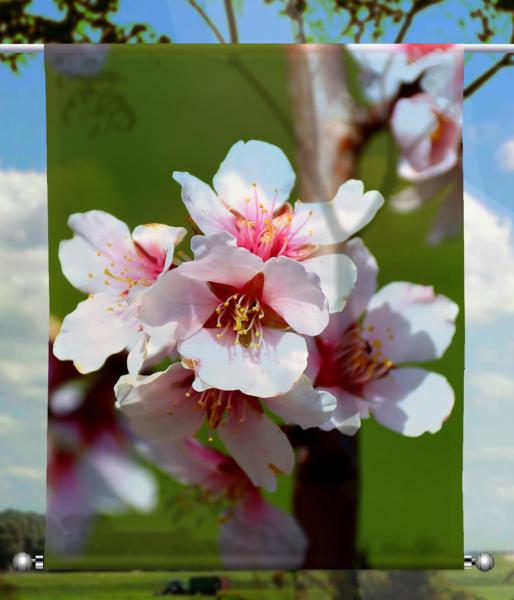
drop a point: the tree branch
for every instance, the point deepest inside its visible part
(232, 23)
(505, 61)
(208, 21)
(417, 7)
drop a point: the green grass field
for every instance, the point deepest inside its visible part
(123, 586)
(496, 585)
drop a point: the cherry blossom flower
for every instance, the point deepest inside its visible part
(114, 267)
(166, 406)
(359, 359)
(252, 186)
(91, 468)
(239, 321)
(386, 68)
(428, 135)
(253, 533)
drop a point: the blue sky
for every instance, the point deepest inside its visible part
(489, 171)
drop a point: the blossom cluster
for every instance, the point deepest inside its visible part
(275, 320)
(419, 89)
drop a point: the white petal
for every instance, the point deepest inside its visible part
(81, 265)
(67, 398)
(411, 322)
(92, 332)
(201, 245)
(203, 205)
(179, 301)
(223, 264)
(254, 162)
(295, 295)
(335, 221)
(101, 229)
(159, 240)
(258, 446)
(137, 354)
(267, 371)
(272, 539)
(366, 284)
(365, 287)
(124, 479)
(303, 405)
(337, 275)
(157, 406)
(412, 123)
(186, 460)
(347, 415)
(411, 401)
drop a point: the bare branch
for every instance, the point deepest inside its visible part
(232, 23)
(208, 21)
(417, 7)
(505, 61)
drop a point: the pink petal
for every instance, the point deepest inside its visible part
(94, 331)
(259, 163)
(258, 446)
(223, 264)
(295, 295)
(411, 401)
(337, 275)
(335, 221)
(303, 405)
(266, 371)
(159, 241)
(157, 407)
(347, 415)
(81, 265)
(186, 460)
(410, 322)
(179, 301)
(205, 208)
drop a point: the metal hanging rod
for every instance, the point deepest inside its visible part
(37, 48)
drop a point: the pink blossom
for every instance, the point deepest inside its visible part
(91, 469)
(113, 266)
(170, 405)
(253, 534)
(252, 186)
(239, 321)
(359, 357)
(428, 135)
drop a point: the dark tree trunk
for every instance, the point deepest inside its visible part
(326, 500)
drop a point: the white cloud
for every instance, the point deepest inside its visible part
(506, 156)
(23, 472)
(24, 340)
(489, 264)
(491, 453)
(493, 385)
(8, 424)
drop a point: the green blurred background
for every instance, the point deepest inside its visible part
(113, 141)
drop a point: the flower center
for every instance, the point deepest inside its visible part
(270, 232)
(135, 269)
(243, 314)
(217, 403)
(355, 362)
(438, 131)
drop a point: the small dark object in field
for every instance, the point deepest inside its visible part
(174, 588)
(205, 586)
